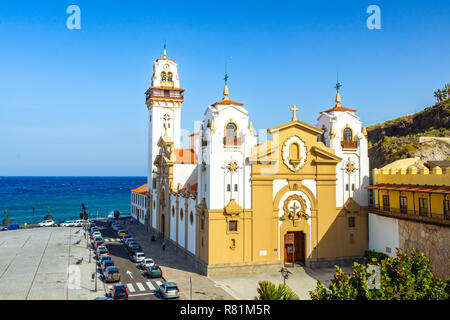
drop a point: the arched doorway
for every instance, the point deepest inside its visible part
(294, 248)
(163, 224)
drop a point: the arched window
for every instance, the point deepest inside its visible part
(163, 76)
(169, 76)
(191, 216)
(294, 151)
(181, 214)
(348, 134)
(231, 130)
(173, 211)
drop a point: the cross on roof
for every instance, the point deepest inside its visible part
(294, 109)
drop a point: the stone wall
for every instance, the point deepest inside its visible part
(432, 240)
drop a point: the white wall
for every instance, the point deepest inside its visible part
(383, 233)
(359, 157)
(191, 226)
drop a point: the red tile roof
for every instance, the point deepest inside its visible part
(142, 189)
(185, 156)
(340, 108)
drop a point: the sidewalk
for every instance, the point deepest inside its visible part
(40, 264)
(176, 267)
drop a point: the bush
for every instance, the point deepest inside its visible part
(370, 254)
(268, 291)
(406, 277)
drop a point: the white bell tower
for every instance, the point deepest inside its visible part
(344, 133)
(164, 99)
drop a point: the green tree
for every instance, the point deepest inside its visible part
(439, 95)
(406, 277)
(268, 291)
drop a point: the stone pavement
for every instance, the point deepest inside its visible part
(39, 264)
(301, 281)
(176, 267)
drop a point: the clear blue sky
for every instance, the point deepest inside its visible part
(72, 101)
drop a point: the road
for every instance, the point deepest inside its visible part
(139, 286)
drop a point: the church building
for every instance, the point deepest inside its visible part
(231, 203)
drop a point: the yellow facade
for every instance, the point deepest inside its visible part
(282, 175)
(261, 231)
(423, 188)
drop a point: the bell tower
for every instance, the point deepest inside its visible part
(164, 99)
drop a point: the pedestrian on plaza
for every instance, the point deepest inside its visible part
(164, 245)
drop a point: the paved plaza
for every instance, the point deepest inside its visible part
(39, 264)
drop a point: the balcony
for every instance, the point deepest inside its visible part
(161, 93)
(349, 144)
(232, 141)
(414, 215)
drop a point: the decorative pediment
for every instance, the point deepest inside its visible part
(325, 157)
(351, 206)
(232, 208)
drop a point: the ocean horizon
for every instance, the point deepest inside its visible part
(62, 196)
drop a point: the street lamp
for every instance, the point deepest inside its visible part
(285, 274)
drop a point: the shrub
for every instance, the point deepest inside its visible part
(370, 254)
(406, 277)
(268, 291)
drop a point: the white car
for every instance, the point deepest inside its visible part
(147, 262)
(46, 223)
(138, 257)
(96, 234)
(67, 224)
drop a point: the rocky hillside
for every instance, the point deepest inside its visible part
(400, 138)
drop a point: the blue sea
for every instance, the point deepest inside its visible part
(61, 197)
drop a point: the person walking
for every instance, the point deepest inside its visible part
(164, 246)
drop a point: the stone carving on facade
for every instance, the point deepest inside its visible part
(294, 161)
(294, 209)
(232, 208)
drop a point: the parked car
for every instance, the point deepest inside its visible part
(98, 244)
(46, 223)
(125, 237)
(169, 290)
(11, 227)
(102, 259)
(128, 241)
(96, 234)
(112, 274)
(105, 264)
(154, 272)
(134, 247)
(138, 257)
(68, 223)
(146, 263)
(121, 232)
(102, 251)
(119, 292)
(98, 238)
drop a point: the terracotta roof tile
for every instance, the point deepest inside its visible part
(142, 189)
